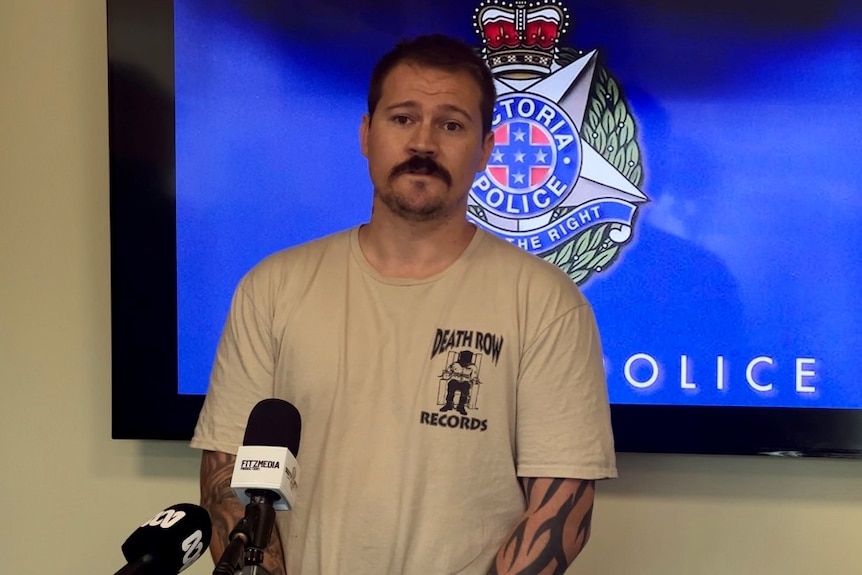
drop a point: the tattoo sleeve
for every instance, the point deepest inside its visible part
(551, 532)
(226, 511)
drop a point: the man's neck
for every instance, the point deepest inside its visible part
(414, 250)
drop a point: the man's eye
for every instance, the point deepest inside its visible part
(452, 126)
(400, 119)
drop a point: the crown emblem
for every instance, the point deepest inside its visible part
(520, 38)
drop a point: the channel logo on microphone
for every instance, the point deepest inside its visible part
(269, 468)
(258, 464)
(292, 475)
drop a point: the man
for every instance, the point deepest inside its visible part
(355, 329)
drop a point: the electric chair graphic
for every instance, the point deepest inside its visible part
(460, 380)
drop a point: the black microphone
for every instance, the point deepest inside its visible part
(169, 542)
(264, 478)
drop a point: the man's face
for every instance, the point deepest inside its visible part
(425, 144)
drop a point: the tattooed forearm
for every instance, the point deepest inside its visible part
(552, 531)
(226, 511)
(218, 498)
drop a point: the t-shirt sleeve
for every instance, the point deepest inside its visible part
(242, 374)
(563, 415)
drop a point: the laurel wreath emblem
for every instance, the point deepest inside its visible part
(610, 129)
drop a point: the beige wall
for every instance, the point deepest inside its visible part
(70, 495)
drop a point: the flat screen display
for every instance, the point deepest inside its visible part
(692, 166)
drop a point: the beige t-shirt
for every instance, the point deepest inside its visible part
(422, 401)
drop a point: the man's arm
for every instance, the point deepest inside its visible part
(551, 532)
(226, 511)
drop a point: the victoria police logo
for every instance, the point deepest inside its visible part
(535, 161)
(563, 179)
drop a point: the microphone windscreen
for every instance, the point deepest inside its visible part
(174, 539)
(276, 423)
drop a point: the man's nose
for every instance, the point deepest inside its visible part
(423, 140)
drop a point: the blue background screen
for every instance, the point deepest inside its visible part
(736, 218)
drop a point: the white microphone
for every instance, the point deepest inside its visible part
(264, 480)
(266, 461)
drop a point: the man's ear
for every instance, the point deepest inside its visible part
(487, 148)
(363, 134)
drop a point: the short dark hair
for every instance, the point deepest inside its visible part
(443, 53)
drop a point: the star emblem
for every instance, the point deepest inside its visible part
(569, 87)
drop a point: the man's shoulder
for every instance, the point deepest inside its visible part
(526, 268)
(493, 244)
(307, 253)
(292, 268)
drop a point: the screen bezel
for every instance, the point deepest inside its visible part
(145, 400)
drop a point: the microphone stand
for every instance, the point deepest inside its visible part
(138, 566)
(264, 517)
(244, 553)
(254, 570)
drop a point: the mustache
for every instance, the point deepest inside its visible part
(423, 165)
